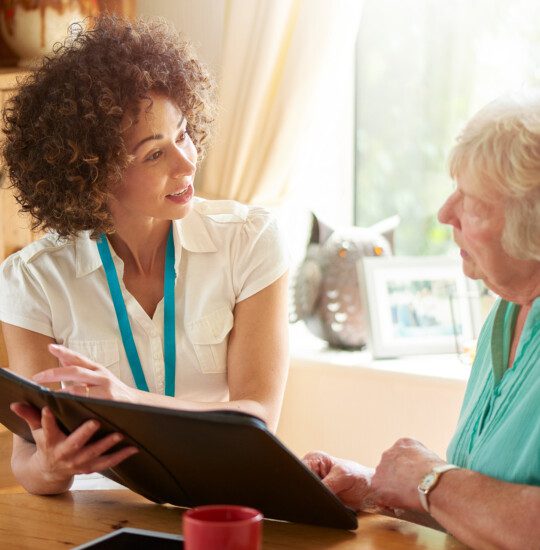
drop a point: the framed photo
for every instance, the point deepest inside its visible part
(417, 305)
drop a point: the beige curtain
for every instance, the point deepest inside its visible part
(273, 58)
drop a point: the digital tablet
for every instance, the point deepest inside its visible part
(129, 538)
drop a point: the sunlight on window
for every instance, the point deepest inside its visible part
(423, 68)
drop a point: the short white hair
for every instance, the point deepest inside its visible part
(500, 147)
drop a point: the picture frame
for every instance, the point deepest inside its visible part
(417, 305)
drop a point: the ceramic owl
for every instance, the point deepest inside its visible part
(327, 296)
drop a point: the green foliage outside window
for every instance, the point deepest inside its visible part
(423, 68)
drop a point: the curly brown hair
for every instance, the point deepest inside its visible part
(64, 146)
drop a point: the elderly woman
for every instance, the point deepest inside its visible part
(488, 494)
(140, 292)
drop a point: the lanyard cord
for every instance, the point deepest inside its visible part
(169, 324)
(169, 340)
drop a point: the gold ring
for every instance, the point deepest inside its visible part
(87, 388)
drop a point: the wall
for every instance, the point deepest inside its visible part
(357, 412)
(14, 227)
(201, 21)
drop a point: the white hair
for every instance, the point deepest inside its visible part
(500, 147)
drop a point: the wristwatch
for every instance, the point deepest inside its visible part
(429, 482)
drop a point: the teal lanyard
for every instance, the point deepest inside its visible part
(169, 340)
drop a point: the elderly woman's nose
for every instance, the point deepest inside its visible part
(442, 215)
(447, 212)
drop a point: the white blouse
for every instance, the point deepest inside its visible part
(224, 253)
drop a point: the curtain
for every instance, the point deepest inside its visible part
(274, 57)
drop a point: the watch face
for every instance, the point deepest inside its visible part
(427, 482)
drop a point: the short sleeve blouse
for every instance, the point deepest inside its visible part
(225, 252)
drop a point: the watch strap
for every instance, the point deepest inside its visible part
(430, 481)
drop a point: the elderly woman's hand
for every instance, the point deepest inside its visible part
(401, 469)
(83, 377)
(348, 480)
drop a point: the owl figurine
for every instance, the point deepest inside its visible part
(327, 296)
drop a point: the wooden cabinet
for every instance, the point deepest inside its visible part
(14, 227)
(14, 234)
(15, 230)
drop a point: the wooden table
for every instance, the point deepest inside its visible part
(28, 521)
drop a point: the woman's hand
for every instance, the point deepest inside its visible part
(83, 377)
(58, 457)
(349, 481)
(401, 469)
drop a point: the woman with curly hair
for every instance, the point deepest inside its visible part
(140, 291)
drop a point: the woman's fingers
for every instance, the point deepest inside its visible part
(68, 357)
(28, 413)
(92, 457)
(102, 446)
(109, 461)
(58, 449)
(78, 370)
(81, 390)
(71, 454)
(349, 481)
(81, 457)
(96, 450)
(73, 443)
(339, 479)
(319, 463)
(73, 374)
(52, 434)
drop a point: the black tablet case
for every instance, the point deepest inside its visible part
(191, 458)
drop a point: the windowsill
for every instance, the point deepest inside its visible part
(308, 350)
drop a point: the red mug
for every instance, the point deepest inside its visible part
(222, 527)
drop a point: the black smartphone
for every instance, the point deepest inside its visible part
(129, 538)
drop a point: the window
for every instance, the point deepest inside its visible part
(423, 68)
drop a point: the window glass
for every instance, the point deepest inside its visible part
(423, 68)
